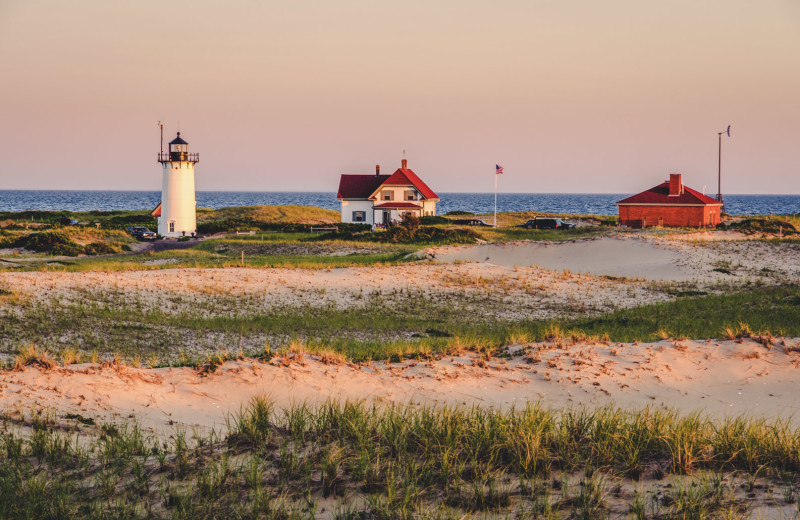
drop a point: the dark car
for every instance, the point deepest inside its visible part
(66, 221)
(546, 223)
(142, 233)
(472, 222)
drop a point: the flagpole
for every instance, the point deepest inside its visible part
(495, 199)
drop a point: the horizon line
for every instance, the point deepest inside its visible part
(443, 192)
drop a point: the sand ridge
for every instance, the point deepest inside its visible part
(721, 378)
(676, 257)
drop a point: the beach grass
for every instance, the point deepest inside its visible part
(109, 325)
(356, 460)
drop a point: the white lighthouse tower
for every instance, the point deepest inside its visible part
(178, 217)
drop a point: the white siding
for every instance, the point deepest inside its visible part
(178, 203)
(349, 206)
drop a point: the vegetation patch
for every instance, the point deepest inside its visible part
(355, 460)
(762, 225)
(404, 328)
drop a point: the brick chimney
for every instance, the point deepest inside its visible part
(377, 169)
(404, 164)
(675, 185)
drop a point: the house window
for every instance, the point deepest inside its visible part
(171, 226)
(359, 216)
(411, 195)
(388, 195)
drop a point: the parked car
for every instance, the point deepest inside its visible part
(546, 223)
(142, 233)
(66, 221)
(472, 222)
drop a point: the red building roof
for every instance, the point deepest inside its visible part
(406, 176)
(659, 195)
(365, 186)
(359, 186)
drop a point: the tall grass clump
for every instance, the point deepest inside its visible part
(366, 460)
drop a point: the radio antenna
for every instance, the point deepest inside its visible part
(161, 127)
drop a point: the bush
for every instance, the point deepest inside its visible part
(426, 235)
(761, 225)
(99, 248)
(123, 221)
(37, 216)
(431, 220)
(459, 212)
(70, 249)
(47, 241)
(233, 225)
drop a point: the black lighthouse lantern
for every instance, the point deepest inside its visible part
(179, 152)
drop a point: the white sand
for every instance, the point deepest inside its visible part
(606, 256)
(673, 257)
(719, 378)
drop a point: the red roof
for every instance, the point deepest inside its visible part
(359, 186)
(365, 186)
(404, 177)
(156, 211)
(660, 195)
(398, 205)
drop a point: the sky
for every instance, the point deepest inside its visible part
(569, 96)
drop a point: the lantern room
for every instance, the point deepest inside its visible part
(178, 152)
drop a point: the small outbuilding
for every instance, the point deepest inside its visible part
(669, 204)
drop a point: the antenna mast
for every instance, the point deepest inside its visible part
(161, 126)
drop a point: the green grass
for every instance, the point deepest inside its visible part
(204, 256)
(407, 327)
(272, 214)
(364, 461)
(508, 234)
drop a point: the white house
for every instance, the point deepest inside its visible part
(381, 199)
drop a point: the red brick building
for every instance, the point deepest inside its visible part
(669, 204)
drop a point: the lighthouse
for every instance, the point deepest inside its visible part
(178, 217)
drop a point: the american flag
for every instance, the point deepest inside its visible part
(498, 169)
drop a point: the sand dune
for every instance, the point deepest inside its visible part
(674, 257)
(720, 378)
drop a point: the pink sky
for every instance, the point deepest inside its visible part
(568, 95)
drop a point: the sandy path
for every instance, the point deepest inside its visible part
(607, 256)
(673, 257)
(720, 378)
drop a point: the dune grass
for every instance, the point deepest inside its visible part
(353, 460)
(416, 327)
(205, 256)
(272, 214)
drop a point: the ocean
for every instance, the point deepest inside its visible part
(582, 203)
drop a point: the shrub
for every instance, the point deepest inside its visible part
(762, 225)
(431, 220)
(53, 242)
(459, 212)
(69, 249)
(99, 248)
(232, 225)
(426, 235)
(123, 221)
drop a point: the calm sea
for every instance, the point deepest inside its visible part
(583, 203)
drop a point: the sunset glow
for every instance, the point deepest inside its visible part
(569, 96)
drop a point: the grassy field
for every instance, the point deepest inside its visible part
(353, 461)
(109, 326)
